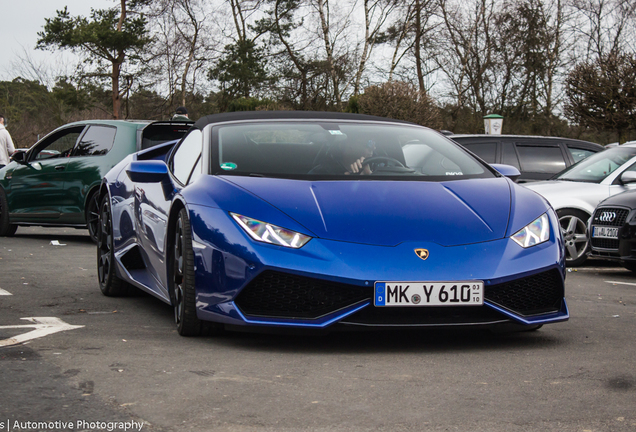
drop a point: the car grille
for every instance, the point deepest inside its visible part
(277, 294)
(605, 243)
(619, 221)
(282, 295)
(540, 293)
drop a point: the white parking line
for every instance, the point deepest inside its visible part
(3, 292)
(621, 283)
(42, 326)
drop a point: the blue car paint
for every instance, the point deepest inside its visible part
(388, 213)
(493, 262)
(468, 235)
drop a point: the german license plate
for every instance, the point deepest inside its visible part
(456, 293)
(605, 232)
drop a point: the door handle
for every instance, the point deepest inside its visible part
(60, 168)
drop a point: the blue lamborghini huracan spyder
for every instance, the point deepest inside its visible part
(328, 220)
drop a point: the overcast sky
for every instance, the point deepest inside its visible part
(20, 22)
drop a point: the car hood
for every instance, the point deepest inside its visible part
(558, 187)
(387, 213)
(580, 195)
(623, 199)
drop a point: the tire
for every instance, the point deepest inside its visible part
(109, 283)
(7, 229)
(574, 229)
(182, 289)
(92, 216)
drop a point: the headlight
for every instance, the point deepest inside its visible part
(272, 234)
(536, 232)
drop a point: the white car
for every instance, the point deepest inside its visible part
(575, 192)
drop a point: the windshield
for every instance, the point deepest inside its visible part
(597, 167)
(340, 150)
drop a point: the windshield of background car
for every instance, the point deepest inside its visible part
(327, 149)
(597, 167)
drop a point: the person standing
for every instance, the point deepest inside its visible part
(181, 114)
(6, 143)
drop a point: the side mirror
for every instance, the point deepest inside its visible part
(628, 177)
(20, 156)
(148, 171)
(507, 170)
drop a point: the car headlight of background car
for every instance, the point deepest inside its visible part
(536, 232)
(272, 234)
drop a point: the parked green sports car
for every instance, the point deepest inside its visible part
(54, 183)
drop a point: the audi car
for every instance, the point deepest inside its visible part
(612, 230)
(327, 221)
(576, 191)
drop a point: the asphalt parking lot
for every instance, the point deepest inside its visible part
(101, 363)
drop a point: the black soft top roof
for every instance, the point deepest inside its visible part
(283, 115)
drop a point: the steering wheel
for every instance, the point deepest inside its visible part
(376, 159)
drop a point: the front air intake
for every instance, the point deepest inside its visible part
(283, 295)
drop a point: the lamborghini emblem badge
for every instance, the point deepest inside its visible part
(422, 253)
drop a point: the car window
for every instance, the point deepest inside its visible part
(541, 159)
(486, 151)
(97, 141)
(158, 133)
(578, 154)
(196, 171)
(57, 145)
(597, 167)
(510, 155)
(313, 149)
(185, 157)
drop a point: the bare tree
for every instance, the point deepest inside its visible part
(376, 14)
(559, 41)
(295, 69)
(470, 51)
(243, 12)
(329, 36)
(183, 46)
(398, 34)
(605, 26)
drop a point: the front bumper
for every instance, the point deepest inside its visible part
(622, 249)
(241, 282)
(280, 299)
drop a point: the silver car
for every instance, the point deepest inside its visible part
(575, 192)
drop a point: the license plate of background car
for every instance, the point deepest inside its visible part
(456, 293)
(605, 232)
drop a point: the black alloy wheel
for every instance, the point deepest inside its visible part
(109, 283)
(183, 290)
(92, 216)
(6, 228)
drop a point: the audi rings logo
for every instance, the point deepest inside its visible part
(607, 216)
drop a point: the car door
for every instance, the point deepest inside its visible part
(83, 169)
(153, 205)
(540, 160)
(486, 149)
(36, 188)
(616, 186)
